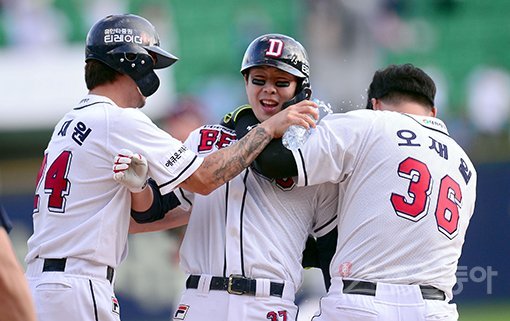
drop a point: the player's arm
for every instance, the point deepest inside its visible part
(326, 247)
(319, 252)
(310, 254)
(15, 299)
(172, 219)
(150, 210)
(150, 205)
(223, 165)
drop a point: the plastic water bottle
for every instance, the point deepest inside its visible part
(295, 136)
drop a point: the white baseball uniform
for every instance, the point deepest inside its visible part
(407, 194)
(254, 227)
(81, 215)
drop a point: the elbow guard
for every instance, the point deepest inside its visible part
(161, 204)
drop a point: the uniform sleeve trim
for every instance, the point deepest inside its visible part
(305, 174)
(184, 198)
(94, 103)
(317, 230)
(180, 174)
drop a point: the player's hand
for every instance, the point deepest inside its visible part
(304, 113)
(131, 170)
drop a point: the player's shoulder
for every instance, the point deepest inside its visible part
(230, 119)
(209, 135)
(358, 119)
(384, 117)
(94, 102)
(210, 129)
(362, 114)
(127, 117)
(96, 106)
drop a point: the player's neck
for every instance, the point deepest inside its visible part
(410, 108)
(420, 110)
(123, 92)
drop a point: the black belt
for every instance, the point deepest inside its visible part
(235, 284)
(59, 265)
(368, 288)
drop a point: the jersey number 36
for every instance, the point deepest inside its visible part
(420, 187)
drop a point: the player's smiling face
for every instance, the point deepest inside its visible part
(267, 89)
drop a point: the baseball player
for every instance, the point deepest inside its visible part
(407, 195)
(81, 214)
(243, 245)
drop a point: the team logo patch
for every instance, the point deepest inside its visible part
(345, 269)
(285, 184)
(275, 48)
(115, 305)
(180, 314)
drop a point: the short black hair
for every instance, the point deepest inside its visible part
(397, 82)
(98, 73)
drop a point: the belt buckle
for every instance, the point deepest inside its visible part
(231, 282)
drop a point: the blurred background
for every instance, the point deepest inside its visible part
(463, 44)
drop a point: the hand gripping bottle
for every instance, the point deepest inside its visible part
(295, 136)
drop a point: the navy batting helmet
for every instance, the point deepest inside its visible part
(129, 44)
(279, 51)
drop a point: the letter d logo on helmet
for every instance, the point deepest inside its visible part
(279, 51)
(275, 48)
(129, 44)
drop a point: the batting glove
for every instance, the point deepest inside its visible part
(131, 170)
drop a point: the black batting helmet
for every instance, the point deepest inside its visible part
(129, 44)
(279, 51)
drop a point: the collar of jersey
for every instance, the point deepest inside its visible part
(430, 122)
(92, 100)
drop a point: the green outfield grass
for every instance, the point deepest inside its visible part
(484, 312)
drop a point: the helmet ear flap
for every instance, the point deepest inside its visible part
(305, 93)
(138, 64)
(130, 59)
(148, 83)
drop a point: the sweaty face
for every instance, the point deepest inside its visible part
(267, 89)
